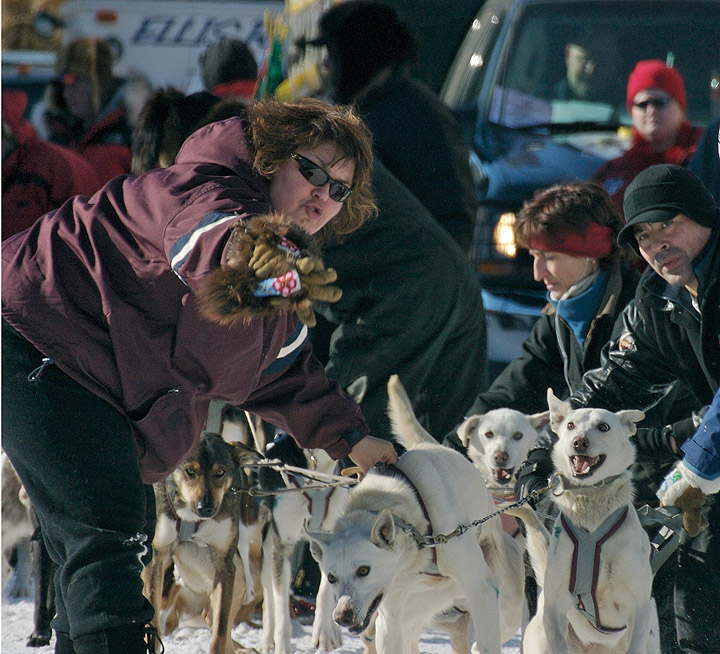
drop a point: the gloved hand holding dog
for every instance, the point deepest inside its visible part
(533, 474)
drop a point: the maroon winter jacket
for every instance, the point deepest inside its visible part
(37, 176)
(105, 286)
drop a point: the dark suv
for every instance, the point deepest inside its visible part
(502, 88)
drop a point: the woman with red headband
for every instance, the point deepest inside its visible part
(570, 230)
(657, 104)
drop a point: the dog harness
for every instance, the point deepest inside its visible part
(585, 567)
(318, 504)
(509, 523)
(394, 470)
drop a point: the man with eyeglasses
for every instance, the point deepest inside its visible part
(657, 104)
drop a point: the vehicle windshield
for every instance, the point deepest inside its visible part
(563, 64)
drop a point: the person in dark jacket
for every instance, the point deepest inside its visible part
(671, 332)
(86, 109)
(124, 315)
(369, 49)
(411, 306)
(37, 176)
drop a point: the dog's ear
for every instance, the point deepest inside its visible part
(467, 427)
(318, 540)
(382, 533)
(243, 454)
(539, 420)
(558, 408)
(629, 417)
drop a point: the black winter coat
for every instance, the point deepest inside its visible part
(411, 305)
(663, 340)
(523, 384)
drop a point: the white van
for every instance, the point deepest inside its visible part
(162, 39)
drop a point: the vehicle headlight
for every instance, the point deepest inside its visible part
(504, 235)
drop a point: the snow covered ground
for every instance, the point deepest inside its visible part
(17, 624)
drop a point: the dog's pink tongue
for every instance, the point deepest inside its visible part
(582, 463)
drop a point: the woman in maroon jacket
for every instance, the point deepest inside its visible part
(126, 313)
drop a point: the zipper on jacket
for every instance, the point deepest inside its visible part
(35, 374)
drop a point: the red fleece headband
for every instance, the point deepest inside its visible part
(596, 244)
(654, 74)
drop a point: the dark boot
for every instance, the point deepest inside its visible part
(124, 639)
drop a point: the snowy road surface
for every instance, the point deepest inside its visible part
(17, 624)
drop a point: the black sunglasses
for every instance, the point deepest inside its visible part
(658, 103)
(318, 177)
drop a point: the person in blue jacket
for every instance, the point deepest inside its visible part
(700, 467)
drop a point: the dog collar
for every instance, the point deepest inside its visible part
(559, 484)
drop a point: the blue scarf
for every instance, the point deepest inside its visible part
(579, 310)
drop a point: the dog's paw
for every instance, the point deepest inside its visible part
(38, 639)
(267, 644)
(327, 638)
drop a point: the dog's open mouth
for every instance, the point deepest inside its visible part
(503, 475)
(359, 628)
(584, 466)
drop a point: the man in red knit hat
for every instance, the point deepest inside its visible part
(657, 105)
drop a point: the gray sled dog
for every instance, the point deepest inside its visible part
(595, 575)
(380, 568)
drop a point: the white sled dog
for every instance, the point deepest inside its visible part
(379, 567)
(596, 575)
(498, 441)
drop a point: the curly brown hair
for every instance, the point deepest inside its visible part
(571, 207)
(277, 129)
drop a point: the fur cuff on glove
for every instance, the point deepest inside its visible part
(227, 296)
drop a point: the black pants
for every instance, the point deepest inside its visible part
(74, 454)
(697, 587)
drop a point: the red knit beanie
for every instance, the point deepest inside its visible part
(654, 74)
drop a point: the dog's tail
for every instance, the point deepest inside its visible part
(405, 426)
(537, 539)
